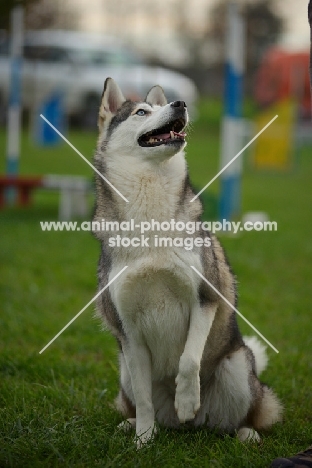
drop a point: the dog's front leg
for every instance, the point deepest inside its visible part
(138, 361)
(187, 397)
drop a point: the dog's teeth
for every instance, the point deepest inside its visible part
(172, 135)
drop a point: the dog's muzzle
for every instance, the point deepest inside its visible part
(171, 133)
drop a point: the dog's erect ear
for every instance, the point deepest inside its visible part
(156, 96)
(112, 100)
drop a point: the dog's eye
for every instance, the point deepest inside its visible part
(141, 112)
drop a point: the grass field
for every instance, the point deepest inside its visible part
(56, 408)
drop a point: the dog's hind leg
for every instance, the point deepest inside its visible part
(227, 396)
(267, 410)
(264, 413)
(247, 434)
(235, 400)
(127, 424)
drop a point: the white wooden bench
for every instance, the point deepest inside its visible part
(74, 192)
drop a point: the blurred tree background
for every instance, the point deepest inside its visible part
(263, 28)
(39, 14)
(206, 47)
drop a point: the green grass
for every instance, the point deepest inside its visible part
(56, 408)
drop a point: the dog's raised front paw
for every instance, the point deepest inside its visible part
(187, 397)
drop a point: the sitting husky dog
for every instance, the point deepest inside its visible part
(182, 357)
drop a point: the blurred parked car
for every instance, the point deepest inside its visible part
(77, 64)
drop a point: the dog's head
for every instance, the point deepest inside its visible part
(153, 128)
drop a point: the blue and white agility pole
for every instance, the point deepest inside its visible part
(14, 111)
(232, 131)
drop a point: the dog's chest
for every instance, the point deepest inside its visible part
(154, 303)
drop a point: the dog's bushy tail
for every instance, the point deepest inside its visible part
(259, 351)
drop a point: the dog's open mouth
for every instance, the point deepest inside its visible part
(170, 133)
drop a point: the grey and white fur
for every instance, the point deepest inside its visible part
(182, 357)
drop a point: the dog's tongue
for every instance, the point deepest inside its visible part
(171, 135)
(163, 136)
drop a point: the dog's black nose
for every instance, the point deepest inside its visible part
(178, 104)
